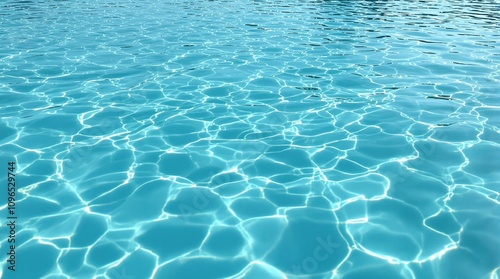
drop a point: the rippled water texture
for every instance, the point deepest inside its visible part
(252, 139)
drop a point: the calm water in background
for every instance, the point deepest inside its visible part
(252, 139)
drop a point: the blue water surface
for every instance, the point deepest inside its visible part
(251, 139)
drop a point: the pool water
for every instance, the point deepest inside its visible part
(251, 139)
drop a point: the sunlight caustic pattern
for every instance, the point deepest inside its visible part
(252, 139)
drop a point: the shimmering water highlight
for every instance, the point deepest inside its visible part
(252, 139)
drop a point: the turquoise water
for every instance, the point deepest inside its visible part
(251, 139)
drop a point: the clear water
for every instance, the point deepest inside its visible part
(252, 139)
